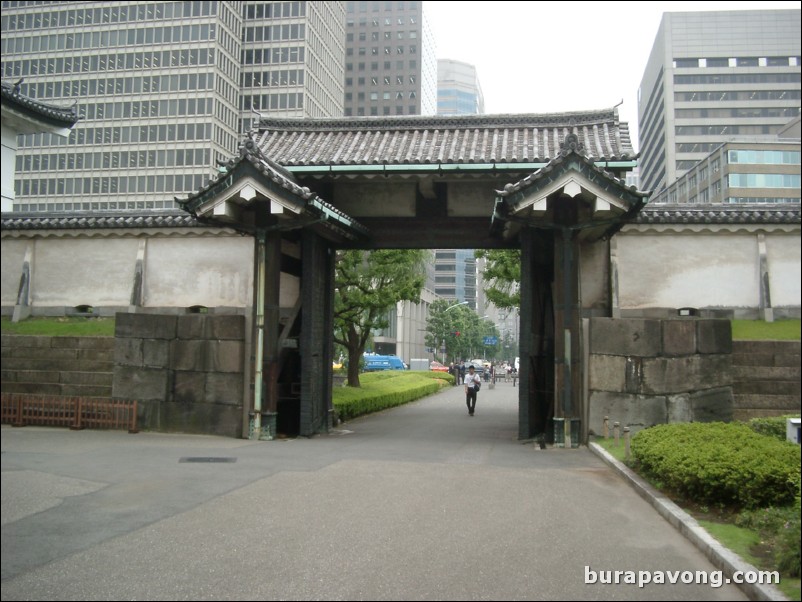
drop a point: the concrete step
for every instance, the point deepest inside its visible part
(768, 387)
(745, 415)
(765, 359)
(70, 365)
(57, 389)
(772, 347)
(747, 373)
(788, 403)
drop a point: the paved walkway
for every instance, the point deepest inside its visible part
(421, 502)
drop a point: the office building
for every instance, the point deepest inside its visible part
(756, 172)
(458, 89)
(712, 76)
(390, 62)
(164, 89)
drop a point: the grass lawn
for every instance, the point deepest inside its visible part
(60, 327)
(758, 330)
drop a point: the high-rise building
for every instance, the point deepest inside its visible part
(458, 89)
(456, 273)
(164, 90)
(390, 62)
(712, 76)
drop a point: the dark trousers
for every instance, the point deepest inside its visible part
(470, 400)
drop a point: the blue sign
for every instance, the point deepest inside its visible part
(491, 340)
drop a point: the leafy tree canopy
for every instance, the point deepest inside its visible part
(368, 285)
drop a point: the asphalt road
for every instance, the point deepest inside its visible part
(421, 502)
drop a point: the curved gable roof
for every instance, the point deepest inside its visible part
(463, 139)
(52, 115)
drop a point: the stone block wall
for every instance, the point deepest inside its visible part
(643, 372)
(766, 379)
(43, 365)
(185, 370)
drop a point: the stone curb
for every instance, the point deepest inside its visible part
(721, 557)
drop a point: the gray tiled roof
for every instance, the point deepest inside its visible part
(571, 149)
(91, 220)
(62, 116)
(250, 153)
(665, 214)
(460, 139)
(718, 214)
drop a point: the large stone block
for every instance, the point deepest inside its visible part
(128, 352)
(664, 375)
(18, 341)
(714, 336)
(191, 326)
(625, 336)
(140, 383)
(679, 337)
(96, 343)
(634, 375)
(188, 355)
(634, 411)
(190, 387)
(101, 379)
(225, 327)
(65, 342)
(607, 373)
(713, 405)
(224, 356)
(145, 326)
(156, 353)
(203, 418)
(678, 408)
(224, 388)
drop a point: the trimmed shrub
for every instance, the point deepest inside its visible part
(774, 426)
(387, 389)
(717, 463)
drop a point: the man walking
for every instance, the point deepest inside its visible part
(472, 384)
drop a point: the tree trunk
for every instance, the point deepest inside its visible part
(354, 357)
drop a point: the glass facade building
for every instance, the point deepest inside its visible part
(390, 62)
(712, 77)
(164, 89)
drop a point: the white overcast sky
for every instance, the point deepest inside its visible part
(550, 57)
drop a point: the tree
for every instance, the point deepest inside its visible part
(502, 275)
(458, 328)
(368, 284)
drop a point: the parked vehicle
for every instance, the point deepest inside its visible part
(438, 367)
(478, 366)
(375, 362)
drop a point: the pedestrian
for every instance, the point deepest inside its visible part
(472, 384)
(462, 372)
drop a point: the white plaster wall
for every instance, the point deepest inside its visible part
(80, 271)
(784, 261)
(290, 290)
(189, 271)
(594, 268)
(693, 269)
(9, 146)
(11, 263)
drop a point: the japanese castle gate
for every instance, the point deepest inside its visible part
(550, 185)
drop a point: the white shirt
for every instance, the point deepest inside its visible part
(472, 379)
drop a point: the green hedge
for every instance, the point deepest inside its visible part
(774, 426)
(717, 463)
(387, 389)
